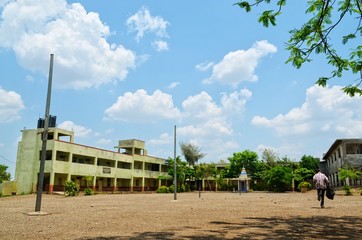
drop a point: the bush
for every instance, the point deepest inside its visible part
(88, 191)
(347, 190)
(70, 188)
(162, 189)
(304, 185)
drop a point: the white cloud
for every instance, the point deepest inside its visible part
(160, 45)
(163, 139)
(173, 85)
(209, 118)
(79, 131)
(324, 110)
(202, 120)
(201, 106)
(83, 57)
(10, 106)
(140, 106)
(204, 66)
(104, 142)
(240, 65)
(143, 22)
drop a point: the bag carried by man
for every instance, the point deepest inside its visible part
(330, 193)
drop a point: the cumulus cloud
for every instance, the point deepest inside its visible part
(83, 57)
(160, 45)
(143, 22)
(140, 106)
(240, 65)
(11, 105)
(325, 110)
(79, 131)
(203, 117)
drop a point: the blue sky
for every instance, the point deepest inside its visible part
(135, 69)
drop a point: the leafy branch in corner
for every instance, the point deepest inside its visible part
(316, 36)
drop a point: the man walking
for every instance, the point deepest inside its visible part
(321, 184)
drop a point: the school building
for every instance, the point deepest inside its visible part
(343, 153)
(128, 168)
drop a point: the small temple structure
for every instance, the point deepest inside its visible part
(243, 181)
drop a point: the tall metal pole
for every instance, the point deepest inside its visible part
(44, 139)
(175, 165)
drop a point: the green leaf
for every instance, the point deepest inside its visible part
(322, 81)
(348, 37)
(352, 90)
(266, 18)
(244, 5)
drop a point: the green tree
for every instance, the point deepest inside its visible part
(302, 174)
(279, 178)
(346, 174)
(270, 157)
(191, 153)
(205, 171)
(319, 34)
(4, 176)
(247, 159)
(183, 171)
(286, 162)
(309, 162)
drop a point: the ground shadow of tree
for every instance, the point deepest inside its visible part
(321, 227)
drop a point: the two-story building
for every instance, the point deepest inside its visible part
(343, 153)
(127, 169)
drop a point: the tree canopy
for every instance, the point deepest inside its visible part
(191, 153)
(319, 35)
(4, 176)
(309, 162)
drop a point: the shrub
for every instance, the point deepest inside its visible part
(347, 190)
(70, 188)
(88, 191)
(304, 185)
(171, 189)
(162, 189)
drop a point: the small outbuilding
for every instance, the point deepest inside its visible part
(243, 181)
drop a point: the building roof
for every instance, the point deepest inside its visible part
(338, 142)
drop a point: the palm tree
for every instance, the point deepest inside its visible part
(191, 153)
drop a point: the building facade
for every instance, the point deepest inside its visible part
(127, 169)
(343, 153)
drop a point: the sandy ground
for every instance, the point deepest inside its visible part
(254, 215)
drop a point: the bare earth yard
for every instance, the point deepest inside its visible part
(254, 215)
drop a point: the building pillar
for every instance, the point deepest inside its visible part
(94, 187)
(115, 184)
(203, 184)
(143, 184)
(51, 182)
(131, 184)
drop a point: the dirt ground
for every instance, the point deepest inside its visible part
(253, 215)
